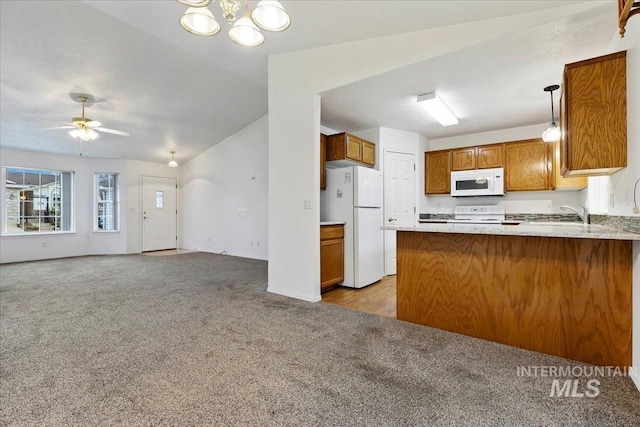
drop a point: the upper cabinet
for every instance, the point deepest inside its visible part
(437, 172)
(344, 149)
(482, 157)
(593, 116)
(528, 165)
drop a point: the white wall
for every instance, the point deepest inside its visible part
(295, 79)
(224, 195)
(515, 202)
(84, 240)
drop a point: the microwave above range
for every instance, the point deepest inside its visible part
(477, 182)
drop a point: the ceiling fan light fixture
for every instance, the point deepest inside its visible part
(84, 134)
(437, 109)
(172, 163)
(200, 21)
(271, 16)
(552, 132)
(245, 32)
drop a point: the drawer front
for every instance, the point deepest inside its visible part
(331, 232)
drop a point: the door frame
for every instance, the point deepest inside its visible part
(141, 208)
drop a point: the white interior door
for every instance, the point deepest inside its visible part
(159, 215)
(399, 200)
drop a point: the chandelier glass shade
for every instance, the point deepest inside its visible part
(268, 15)
(271, 16)
(200, 21)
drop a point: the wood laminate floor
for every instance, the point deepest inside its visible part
(379, 298)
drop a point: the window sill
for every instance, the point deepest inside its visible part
(106, 231)
(39, 234)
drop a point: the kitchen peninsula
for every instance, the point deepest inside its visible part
(561, 290)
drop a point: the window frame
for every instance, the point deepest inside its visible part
(67, 200)
(115, 202)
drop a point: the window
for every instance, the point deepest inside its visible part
(38, 201)
(106, 216)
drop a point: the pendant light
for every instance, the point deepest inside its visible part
(172, 163)
(552, 132)
(271, 16)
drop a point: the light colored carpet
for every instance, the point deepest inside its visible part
(195, 339)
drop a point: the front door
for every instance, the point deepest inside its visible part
(399, 201)
(159, 214)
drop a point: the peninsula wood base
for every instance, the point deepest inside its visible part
(560, 296)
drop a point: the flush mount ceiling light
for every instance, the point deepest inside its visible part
(552, 132)
(268, 15)
(172, 163)
(437, 109)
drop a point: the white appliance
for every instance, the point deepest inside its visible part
(477, 182)
(492, 214)
(354, 195)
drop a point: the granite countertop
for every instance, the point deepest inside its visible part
(332, 223)
(570, 230)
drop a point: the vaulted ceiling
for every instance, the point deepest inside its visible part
(173, 90)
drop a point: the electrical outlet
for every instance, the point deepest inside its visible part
(307, 203)
(44, 244)
(636, 210)
(251, 244)
(258, 243)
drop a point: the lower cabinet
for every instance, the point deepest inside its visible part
(331, 256)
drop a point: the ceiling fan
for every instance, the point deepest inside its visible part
(85, 128)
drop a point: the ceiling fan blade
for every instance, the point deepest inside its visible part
(93, 124)
(60, 127)
(113, 131)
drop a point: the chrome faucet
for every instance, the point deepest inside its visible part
(584, 215)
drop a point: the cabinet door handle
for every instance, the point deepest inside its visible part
(392, 219)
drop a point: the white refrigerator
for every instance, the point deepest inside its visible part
(354, 195)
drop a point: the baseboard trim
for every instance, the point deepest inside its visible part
(294, 295)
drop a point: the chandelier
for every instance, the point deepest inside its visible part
(268, 15)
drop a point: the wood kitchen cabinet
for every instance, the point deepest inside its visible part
(593, 116)
(437, 172)
(344, 149)
(323, 161)
(463, 159)
(560, 182)
(528, 165)
(331, 256)
(482, 157)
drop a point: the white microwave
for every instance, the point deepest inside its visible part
(477, 182)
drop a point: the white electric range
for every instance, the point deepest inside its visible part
(487, 214)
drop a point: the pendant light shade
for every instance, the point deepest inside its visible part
(200, 21)
(245, 32)
(552, 132)
(195, 3)
(172, 163)
(271, 16)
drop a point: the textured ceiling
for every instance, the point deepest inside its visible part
(173, 90)
(494, 85)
